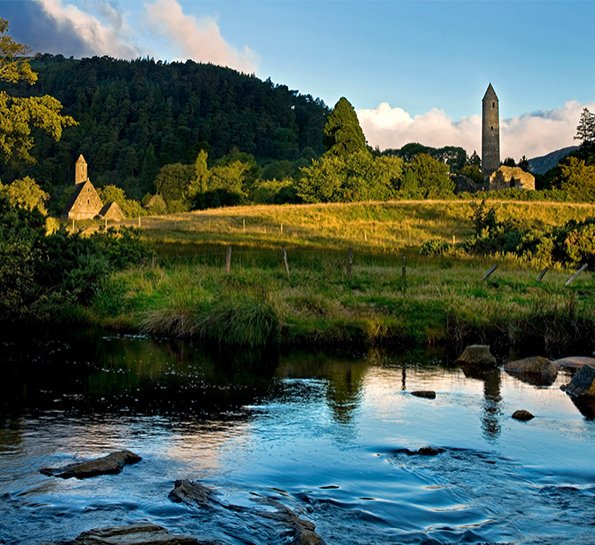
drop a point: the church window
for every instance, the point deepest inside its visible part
(493, 104)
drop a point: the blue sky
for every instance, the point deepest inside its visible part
(413, 69)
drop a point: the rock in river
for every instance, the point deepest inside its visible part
(533, 370)
(112, 463)
(522, 415)
(428, 394)
(583, 383)
(477, 354)
(135, 534)
(575, 362)
(190, 492)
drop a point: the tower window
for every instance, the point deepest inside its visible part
(492, 127)
(493, 104)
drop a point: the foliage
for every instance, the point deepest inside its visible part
(576, 178)
(130, 207)
(355, 177)
(173, 180)
(274, 192)
(570, 244)
(26, 194)
(39, 274)
(426, 178)
(585, 131)
(18, 115)
(342, 132)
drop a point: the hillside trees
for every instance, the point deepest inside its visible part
(137, 116)
(19, 115)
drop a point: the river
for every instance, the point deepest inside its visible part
(328, 436)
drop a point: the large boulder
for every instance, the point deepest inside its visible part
(112, 463)
(477, 355)
(534, 370)
(575, 362)
(135, 534)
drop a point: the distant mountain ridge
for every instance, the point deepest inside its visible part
(540, 165)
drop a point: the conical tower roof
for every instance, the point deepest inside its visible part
(81, 159)
(490, 93)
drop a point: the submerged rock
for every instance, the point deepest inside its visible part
(135, 534)
(575, 362)
(302, 531)
(192, 493)
(533, 370)
(522, 415)
(582, 383)
(477, 354)
(428, 394)
(423, 451)
(112, 463)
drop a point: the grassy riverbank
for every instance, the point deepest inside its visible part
(186, 290)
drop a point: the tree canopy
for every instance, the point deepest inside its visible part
(18, 115)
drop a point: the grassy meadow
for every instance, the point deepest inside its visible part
(385, 293)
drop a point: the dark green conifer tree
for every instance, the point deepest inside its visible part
(342, 132)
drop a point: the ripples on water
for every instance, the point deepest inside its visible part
(325, 436)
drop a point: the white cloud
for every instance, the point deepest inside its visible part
(531, 134)
(106, 36)
(197, 39)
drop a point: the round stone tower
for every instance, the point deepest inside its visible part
(490, 132)
(80, 170)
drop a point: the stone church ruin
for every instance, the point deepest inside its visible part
(85, 203)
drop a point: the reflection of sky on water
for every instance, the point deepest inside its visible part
(322, 432)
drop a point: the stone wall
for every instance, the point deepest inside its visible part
(515, 177)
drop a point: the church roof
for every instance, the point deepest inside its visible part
(84, 201)
(490, 93)
(112, 211)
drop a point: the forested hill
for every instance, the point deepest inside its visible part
(136, 116)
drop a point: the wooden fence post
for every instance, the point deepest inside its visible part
(403, 272)
(542, 274)
(244, 225)
(281, 228)
(573, 277)
(228, 260)
(285, 261)
(349, 261)
(489, 272)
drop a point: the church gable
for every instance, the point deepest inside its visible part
(85, 204)
(112, 211)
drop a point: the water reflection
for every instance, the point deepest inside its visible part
(321, 433)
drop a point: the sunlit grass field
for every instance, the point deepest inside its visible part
(386, 292)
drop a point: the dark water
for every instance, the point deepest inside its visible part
(324, 435)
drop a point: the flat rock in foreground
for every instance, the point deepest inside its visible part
(135, 534)
(477, 354)
(534, 370)
(110, 464)
(575, 362)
